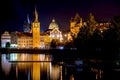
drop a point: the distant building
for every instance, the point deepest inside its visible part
(76, 23)
(53, 25)
(103, 25)
(31, 37)
(55, 33)
(5, 37)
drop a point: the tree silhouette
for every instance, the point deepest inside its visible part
(54, 43)
(7, 45)
(91, 23)
(116, 26)
(86, 32)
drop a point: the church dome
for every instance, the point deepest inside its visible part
(53, 24)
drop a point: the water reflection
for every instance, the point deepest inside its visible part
(30, 67)
(72, 77)
(27, 66)
(5, 65)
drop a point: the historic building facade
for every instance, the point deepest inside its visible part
(21, 39)
(36, 31)
(5, 38)
(32, 37)
(55, 33)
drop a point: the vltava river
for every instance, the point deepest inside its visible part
(29, 67)
(25, 66)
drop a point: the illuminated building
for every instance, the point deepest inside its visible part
(102, 26)
(53, 25)
(36, 31)
(21, 39)
(28, 39)
(34, 38)
(5, 37)
(67, 37)
(55, 33)
(45, 40)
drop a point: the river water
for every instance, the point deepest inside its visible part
(25, 66)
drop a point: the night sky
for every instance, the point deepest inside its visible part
(13, 13)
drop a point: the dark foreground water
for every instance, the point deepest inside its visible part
(27, 66)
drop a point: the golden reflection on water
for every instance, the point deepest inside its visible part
(72, 77)
(35, 67)
(99, 73)
(37, 64)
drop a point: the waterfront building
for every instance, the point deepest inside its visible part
(31, 37)
(21, 39)
(55, 33)
(36, 31)
(5, 38)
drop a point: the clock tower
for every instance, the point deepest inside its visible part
(36, 31)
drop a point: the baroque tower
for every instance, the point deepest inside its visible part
(75, 25)
(36, 31)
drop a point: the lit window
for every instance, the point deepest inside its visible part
(58, 35)
(65, 35)
(53, 35)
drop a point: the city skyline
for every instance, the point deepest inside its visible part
(15, 13)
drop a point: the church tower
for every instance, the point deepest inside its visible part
(36, 31)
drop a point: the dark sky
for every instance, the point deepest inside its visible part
(13, 12)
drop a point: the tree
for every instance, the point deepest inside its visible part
(54, 43)
(91, 24)
(84, 42)
(7, 45)
(87, 31)
(116, 26)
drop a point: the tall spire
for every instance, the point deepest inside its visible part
(36, 15)
(28, 19)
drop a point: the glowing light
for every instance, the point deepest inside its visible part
(61, 47)
(42, 57)
(58, 35)
(65, 35)
(13, 57)
(52, 35)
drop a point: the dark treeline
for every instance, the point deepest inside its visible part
(92, 43)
